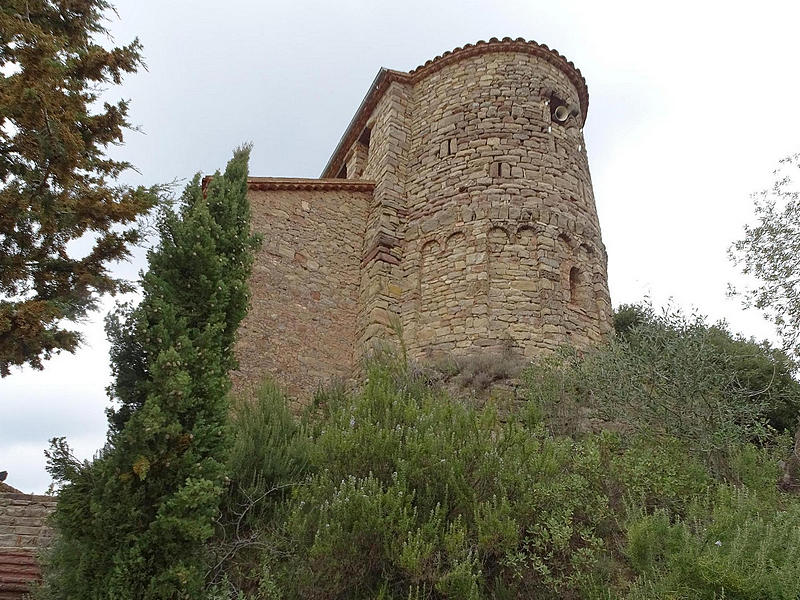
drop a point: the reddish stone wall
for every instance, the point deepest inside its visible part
(301, 326)
(22, 532)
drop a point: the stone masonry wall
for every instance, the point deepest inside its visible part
(458, 204)
(382, 272)
(23, 530)
(501, 243)
(301, 326)
(490, 211)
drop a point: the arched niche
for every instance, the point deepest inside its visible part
(578, 290)
(429, 248)
(526, 241)
(497, 240)
(455, 240)
(526, 235)
(429, 269)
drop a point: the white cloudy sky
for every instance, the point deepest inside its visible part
(691, 106)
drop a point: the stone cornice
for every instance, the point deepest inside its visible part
(386, 77)
(263, 184)
(260, 184)
(508, 45)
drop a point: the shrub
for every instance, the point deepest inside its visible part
(268, 458)
(662, 378)
(411, 495)
(556, 394)
(735, 546)
(479, 371)
(763, 372)
(269, 453)
(663, 475)
(407, 493)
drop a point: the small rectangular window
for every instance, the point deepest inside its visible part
(447, 147)
(365, 136)
(499, 169)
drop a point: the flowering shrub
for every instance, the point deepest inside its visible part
(405, 493)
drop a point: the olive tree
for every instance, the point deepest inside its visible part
(769, 252)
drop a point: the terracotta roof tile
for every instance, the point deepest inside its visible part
(18, 569)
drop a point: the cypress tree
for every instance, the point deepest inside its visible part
(132, 523)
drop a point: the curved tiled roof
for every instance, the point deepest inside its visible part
(18, 570)
(386, 76)
(508, 45)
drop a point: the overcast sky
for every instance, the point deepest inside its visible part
(691, 106)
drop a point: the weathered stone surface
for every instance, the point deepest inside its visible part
(302, 323)
(465, 214)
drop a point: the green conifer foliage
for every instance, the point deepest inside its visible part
(57, 185)
(132, 523)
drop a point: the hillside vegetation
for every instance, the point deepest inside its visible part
(653, 467)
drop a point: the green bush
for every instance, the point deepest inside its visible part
(269, 453)
(398, 491)
(764, 373)
(408, 494)
(268, 458)
(663, 377)
(663, 475)
(734, 546)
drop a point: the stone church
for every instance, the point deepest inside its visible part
(457, 209)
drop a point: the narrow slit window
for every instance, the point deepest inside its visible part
(365, 136)
(574, 283)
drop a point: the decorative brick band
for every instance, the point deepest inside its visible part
(386, 77)
(381, 250)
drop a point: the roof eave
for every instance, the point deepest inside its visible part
(339, 147)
